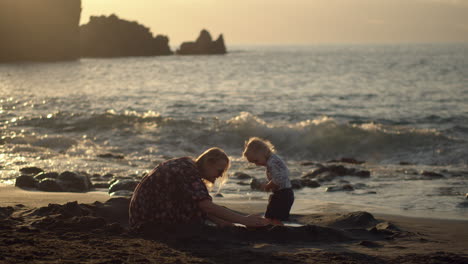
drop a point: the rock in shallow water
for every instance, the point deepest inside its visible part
(43, 175)
(256, 184)
(241, 176)
(124, 193)
(329, 173)
(346, 187)
(31, 170)
(49, 185)
(123, 184)
(73, 182)
(26, 181)
(432, 175)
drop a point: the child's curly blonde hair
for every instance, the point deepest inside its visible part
(256, 145)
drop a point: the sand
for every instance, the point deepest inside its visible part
(93, 230)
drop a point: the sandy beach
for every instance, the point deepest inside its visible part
(38, 227)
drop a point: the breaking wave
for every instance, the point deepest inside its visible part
(319, 139)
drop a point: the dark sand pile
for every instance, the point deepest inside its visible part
(97, 233)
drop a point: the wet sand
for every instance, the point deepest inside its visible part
(93, 230)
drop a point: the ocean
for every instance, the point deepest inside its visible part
(403, 109)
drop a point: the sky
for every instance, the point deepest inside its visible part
(294, 21)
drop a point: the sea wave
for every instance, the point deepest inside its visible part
(319, 139)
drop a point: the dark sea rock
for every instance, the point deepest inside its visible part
(347, 160)
(43, 175)
(203, 45)
(346, 187)
(74, 182)
(432, 175)
(405, 163)
(115, 179)
(255, 184)
(124, 193)
(241, 176)
(301, 183)
(309, 163)
(329, 173)
(310, 183)
(114, 37)
(31, 170)
(463, 204)
(101, 185)
(110, 156)
(296, 184)
(123, 184)
(46, 30)
(108, 175)
(49, 185)
(26, 181)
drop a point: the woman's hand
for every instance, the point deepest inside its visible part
(255, 221)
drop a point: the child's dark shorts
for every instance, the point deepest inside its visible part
(280, 204)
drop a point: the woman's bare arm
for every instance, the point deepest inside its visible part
(219, 222)
(215, 210)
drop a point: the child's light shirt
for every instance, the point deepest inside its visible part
(278, 172)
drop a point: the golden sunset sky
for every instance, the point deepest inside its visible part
(295, 21)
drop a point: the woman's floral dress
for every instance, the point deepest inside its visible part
(169, 195)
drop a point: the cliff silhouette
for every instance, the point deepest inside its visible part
(45, 30)
(114, 37)
(48, 30)
(203, 45)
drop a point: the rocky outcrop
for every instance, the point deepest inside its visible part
(203, 45)
(123, 185)
(329, 173)
(114, 37)
(52, 181)
(46, 30)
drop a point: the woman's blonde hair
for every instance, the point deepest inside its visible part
(213, 155)
(256, 145)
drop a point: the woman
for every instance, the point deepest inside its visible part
(174, 194)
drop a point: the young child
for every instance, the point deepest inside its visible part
(262, 153)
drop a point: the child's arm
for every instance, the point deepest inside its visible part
(269, 186)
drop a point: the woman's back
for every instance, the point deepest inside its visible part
(169, 195)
